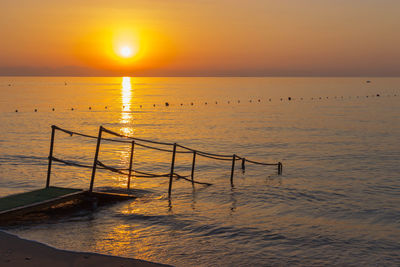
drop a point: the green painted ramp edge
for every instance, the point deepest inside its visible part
(36, 196)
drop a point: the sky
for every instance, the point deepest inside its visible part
(200, 37)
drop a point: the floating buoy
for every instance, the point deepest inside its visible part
(289, 98)
(166, 104)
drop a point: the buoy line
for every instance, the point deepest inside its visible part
(252, 101)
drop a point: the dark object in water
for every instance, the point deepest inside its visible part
(368, 81)
(90, 108)
(105, 107)
(289, 98)
(377, 95)
(191, 103)
(166, 104)
(16, 110)
(35, 109)
(53, 109)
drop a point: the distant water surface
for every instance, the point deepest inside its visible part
(337, 202)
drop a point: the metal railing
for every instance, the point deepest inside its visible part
(134, 141)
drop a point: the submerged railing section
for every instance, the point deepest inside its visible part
(173, 148)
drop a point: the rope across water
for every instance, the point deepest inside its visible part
(150, 144)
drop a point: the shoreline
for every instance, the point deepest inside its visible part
(16, 251)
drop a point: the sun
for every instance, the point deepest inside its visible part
(126, 51)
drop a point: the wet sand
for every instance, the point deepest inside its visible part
(15, 251)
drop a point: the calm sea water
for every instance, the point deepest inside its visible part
(337, 202)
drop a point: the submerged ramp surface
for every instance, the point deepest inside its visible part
(34, 197)
(33, 201)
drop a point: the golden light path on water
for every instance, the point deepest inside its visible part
(126, 126)
(126, 99)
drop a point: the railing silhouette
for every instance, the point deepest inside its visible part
(134, 141)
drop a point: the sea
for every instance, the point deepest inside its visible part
(337, 201)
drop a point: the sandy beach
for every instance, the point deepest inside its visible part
(15, 251)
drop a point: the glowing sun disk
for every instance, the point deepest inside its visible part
(126, 51)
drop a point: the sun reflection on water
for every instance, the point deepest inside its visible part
(126, 100)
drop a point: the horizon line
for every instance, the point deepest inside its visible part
(211, 76)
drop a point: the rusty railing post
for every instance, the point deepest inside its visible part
(53, 130)
(279, 168)
(96, 155)
(233, 168)
(193, 164)
(130, 164)
(171, 175)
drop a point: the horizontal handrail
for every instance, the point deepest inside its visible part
(223, 157)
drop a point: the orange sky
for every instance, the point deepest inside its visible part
(201, 37)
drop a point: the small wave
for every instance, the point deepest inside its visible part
(21, 159)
